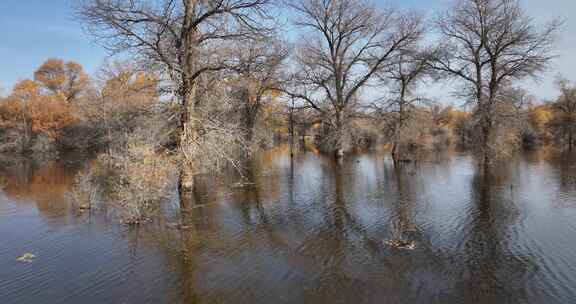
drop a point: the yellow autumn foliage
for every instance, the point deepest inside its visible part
(540, 117)
(49, 115)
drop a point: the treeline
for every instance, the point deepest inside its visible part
(217, 65)
(63, 109)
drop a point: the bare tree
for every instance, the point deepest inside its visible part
(257, 75)
(121, 94)
(410, 67)
(344, 44)
(186, 39)
(564, 121)
(487, 45)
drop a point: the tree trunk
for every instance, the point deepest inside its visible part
(188, 135)
(486, 145)
(395, 152)
(339, 145)
(486, 129)
(291, 129)
(400, 123)
(188, 128)
(250, 113)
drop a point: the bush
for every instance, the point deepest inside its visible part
(131, 182)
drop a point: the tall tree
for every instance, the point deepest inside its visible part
(256, 78)
(59, 78)
(343, 45)
(408, 69)
(184, 38)
(488, 45)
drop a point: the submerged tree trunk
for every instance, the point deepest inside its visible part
(396, 137)
(394, 153)
(291, 130)
(486, 129)
(485, 145)
(339, 136)
(187, 138)
(401, 122)
(188, 120)
(188, 135)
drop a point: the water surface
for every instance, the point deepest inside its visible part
(307, 230)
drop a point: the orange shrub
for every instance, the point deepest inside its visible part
(49, 115)
(12, 112)
(42, 114)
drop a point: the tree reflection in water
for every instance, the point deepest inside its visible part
(47, 184)
(312, 230)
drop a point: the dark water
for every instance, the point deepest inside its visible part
(307, 231)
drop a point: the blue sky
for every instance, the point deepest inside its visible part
(33, 30)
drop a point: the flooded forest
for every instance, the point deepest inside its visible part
(263, 151)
